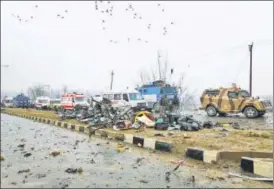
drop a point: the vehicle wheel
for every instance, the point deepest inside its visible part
(251, 112)
(156, 107)
(211, 111)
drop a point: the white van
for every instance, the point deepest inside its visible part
(42, 102)
(8, 102)
(127, 98)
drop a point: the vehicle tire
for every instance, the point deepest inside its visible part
(156, 107)
(251, 112)
(211, 111)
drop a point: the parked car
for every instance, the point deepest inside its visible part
(232, 100)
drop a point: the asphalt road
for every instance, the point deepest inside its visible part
(26, 147)
(265, 122)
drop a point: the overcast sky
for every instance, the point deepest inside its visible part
(208, 42)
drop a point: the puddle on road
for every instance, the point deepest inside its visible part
(102, 165)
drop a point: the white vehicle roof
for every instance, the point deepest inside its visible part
(42, 97)
(121, 92)
(8, 98)
(55, 99)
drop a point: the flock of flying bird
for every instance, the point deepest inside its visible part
(105, 8)
(20, 19)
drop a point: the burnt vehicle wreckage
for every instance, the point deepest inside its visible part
(98, 113)
(101, 114)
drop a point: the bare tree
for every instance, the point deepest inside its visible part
(165, 69)
(144, 76)
(186, 97)
(153, 74)
(36, 91)
(65, 89)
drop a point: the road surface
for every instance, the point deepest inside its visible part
(26, 147)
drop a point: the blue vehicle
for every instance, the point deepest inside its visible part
(153, 92)
(21, 101)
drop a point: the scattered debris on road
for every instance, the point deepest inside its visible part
(74, 170)
(24, 171)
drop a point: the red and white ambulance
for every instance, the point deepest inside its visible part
(70, 100)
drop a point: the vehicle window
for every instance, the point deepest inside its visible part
(105, 96)
(117, 97)
(135, 96)
(43, 101)
(232, 94)
(125, 97)
(79, 99)
(55, 101)
(212, 92)
(244, 93)
(110, 96)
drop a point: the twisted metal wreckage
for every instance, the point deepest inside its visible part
(103, 115)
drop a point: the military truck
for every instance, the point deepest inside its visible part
(232, 100)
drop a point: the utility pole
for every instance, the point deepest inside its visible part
(111, 82)
(159, 65)
(250, 68)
